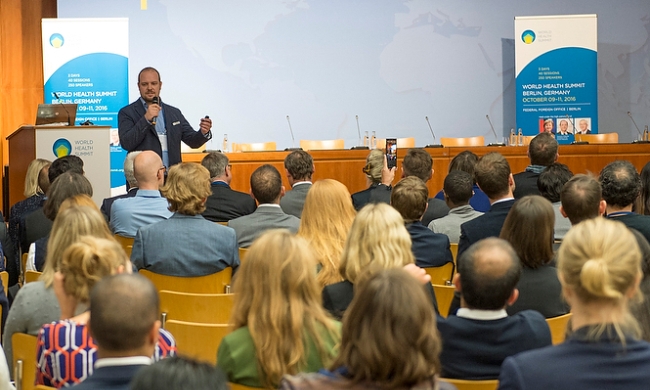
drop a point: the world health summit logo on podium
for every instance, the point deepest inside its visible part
(528, 37)
(56, 40)
(62, 147)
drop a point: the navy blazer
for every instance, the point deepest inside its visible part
(374, 194)
(137, 133)
(525, 184)
(430, 249)
(484, 226)
(225, 203)
(635, 221)
(110, 378)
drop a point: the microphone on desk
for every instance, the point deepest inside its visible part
(155, 100)
(56, 95)
(496, 137)
(293, 141)
(432, 134)
(359, 147)
(638, 141)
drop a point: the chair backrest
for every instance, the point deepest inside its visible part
(453, 247)
(441, 275)
(4, 276)
(444, 296)
(217, 283)
(558, 327)
(462, 384)
(200, 308)
(126, 242)
(199, 341)
(222, 223)
(605, 138)
(467, 141)
(527, 139)
(254, 147)
(32, 276)
(24, 360)
(322, 145)
(242, 254)
(405, 143)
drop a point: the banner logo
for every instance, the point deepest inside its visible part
(528, 37)
(62, 147)
(56, 40)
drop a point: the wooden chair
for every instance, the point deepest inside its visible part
(462, 384)
(242, 254)
(23, 267)
(32, 276)
(217, 283)
(444, 296)
(43, 387)
(199, 341)
(24, 360)
(4, 276)
(441, 275)
(237, 386)
(254, 147)
(405, 143)
(126, 242)
(453, 247)
(322, 145)
(527, 139)
(558, 326)
(605, 138)
(200, 308)
(467, 141)
(222, 223)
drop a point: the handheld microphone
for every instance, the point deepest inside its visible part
(360, 147)
(641, 140)
(496, 137)
(56, 95)
(293, 141)
(432, 134)
(155, 100)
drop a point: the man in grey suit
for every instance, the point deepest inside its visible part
(266, 185)
(299, 167)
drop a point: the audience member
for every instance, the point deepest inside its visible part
(477, 340)
(179, 373)
(224, 203)
(147, 206)
(550, 183)
(132, 186)
(389, 340)
(642, 205)
(299, 167)
(542, 152)
(378, 179)
(409, 198)
(83, 264)
(599, 267)
(640, 308)
(529, 230)
(325, 224)
(267, 189)
(466, 161)
(458, 192)
(581, 199)
(279, 324)
(125, 342)
(172, 246)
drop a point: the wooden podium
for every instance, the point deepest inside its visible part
(91, 143)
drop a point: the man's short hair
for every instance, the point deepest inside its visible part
(300, 165)
(147, 69)
(215, 163)
(409, 197)
(621, 183)
(266, 184)
(552, 179)
(580, 198)
(61, 165)
(486, 285)
(128, 168)
(492, 175)
(123, 310)
(418, 162)
(543, 149)
(458, 187)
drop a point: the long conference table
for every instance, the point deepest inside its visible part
(346, 165)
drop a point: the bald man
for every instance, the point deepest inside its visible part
(147, 206)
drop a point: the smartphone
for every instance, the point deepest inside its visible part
(391, 152)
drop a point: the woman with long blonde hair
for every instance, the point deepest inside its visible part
(279, 324)
(326, 219)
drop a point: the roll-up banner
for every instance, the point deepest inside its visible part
(85, 62)
(556, 75)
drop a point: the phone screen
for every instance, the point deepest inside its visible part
(391, 152)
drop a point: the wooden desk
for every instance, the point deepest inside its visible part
(345, 165)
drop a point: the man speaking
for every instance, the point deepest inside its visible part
(150, 124)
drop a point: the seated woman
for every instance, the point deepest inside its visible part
(325, 224)
(529, 229)
(599, 268)
(62, 343)
(465, 161)
(389, 340)
(279, 324)
(378, 178)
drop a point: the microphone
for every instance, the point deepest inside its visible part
(155, 100)
(432, 134)
(496, 137)
(293, 141)
(56, 95)
(360, 147)
(641, 140)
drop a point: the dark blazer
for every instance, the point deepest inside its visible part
(225, 203)
(110, 378)
(374, 194)
(293, 201)
(484, 226)
(137, 133)
(36, 226)
(635, 221)
(580, 364)
(437, 209)
(540, 290)
(108, 202)
(526, 184)
(430, 249)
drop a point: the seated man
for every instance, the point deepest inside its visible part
(267, 189)
(481, 336)
(582, 199)
(457, 190)
(186, 244)
(542, 152)
(225, 203)
(430, 249)
(130, 181)
(299, 166)
(550, 183)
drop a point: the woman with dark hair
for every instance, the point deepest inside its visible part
(529, 229)
(465, 161)
(642, 204)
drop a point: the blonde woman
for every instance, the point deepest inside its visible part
(325, 224)
(378, 240)
(599, 265)
(378, 178)
(279, 324)
(61, 343)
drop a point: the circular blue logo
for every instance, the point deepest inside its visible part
(56, 40)
(62, 147)
(528, 37)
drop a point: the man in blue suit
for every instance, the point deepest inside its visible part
(150, 124)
